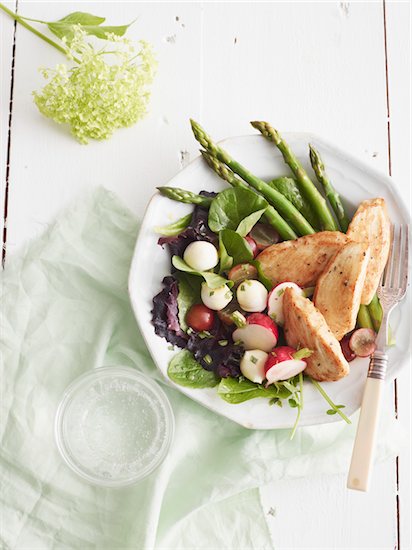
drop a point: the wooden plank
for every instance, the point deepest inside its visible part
(7, 67)
(49, 168)
(398, 42)
(308, 67)
(305, 67)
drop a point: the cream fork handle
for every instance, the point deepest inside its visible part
(364, 448)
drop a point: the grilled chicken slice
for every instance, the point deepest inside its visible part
(371, 224)
(338, 290)
(306, 327)
(302, 260)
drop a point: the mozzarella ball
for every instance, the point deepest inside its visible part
(216, 298)
(201, 255)
(252, 296)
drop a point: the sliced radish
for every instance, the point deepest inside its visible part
(264, 235)
(252, 295)
(241, 272)
(252, 365)
(275, 301)
(284, 362)
(279, 354)
(285, 370)
(259, 333)
(362, 342)
(347, 352)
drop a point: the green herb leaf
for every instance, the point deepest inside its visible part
(174, 228)
(231, 206)
(212, 280)
(82, 18)
(184, 370)
(64, 29)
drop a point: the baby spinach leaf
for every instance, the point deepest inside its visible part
(246, 225)
(174, 228)
(235, 247)
(184, 370)
(212, 279)
(236, 391)
(231, 206)
(189, 294)
(226, 261)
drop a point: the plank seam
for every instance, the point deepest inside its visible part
(8, 146)
(395, 382)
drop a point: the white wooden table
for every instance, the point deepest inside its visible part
(337, 69)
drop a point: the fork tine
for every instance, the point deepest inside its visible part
(387, 271)
(405, 263)
(396, 257)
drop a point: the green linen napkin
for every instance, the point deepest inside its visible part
(65, 310)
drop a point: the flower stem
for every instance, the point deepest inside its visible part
(329, 401)
(20, 20)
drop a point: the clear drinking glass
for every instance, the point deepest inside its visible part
(114, 426)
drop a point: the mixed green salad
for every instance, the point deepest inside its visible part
(218, 306)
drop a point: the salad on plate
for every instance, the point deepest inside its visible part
(270, 282)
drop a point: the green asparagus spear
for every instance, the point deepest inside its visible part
(331, 193)
(364, 319)
(285, 208)
(181, 195)
(376, 313)
(271, 216)
(288, 187)
(308, 189)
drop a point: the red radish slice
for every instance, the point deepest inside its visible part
(362, 342)
(285, 370)
(241, 272)
(347, 352)
(259, 333)
(264, 235)
(275, 301)
(279, 354)
(252, 365)
(253, 246)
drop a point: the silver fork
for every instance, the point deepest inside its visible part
(391, 290)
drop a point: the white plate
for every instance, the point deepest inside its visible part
(354, 181)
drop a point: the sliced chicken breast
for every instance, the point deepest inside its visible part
(305, 327)
(371, 224)
(302, 260)
(338, 290)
